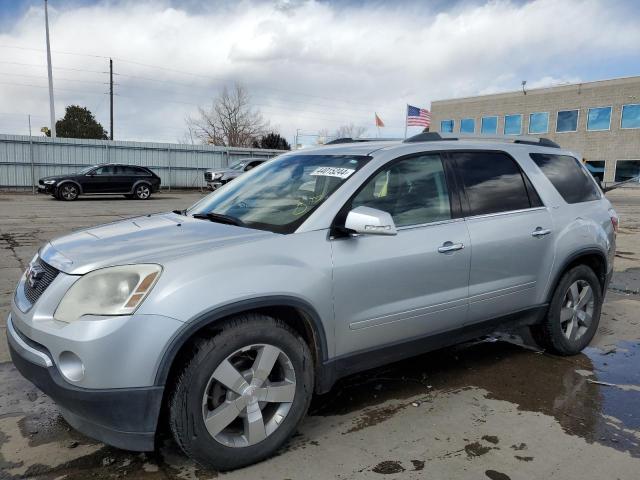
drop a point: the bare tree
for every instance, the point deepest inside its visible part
(230, 121)
(350, 131)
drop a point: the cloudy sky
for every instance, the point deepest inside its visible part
(308, 65)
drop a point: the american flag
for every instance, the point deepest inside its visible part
(418, 117)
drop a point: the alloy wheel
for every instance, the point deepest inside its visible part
(576, 314)
(143, 192)
(249, 395)
(69, 192)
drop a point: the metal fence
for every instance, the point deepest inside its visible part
(24, 159)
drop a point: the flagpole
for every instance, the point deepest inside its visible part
(406, 112)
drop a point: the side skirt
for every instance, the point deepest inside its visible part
(351, 363)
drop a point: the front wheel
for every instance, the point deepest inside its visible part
(242, 394)
(68, 192)
(142, 192)
(574, 313)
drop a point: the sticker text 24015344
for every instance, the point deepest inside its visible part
(333, 172)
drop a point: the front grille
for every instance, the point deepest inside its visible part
(208, 176)
(34, 293)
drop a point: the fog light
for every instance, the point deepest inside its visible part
(71, 366)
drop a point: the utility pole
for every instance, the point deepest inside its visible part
(51, 107)
(111, 96)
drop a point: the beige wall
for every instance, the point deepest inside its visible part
(614, 144)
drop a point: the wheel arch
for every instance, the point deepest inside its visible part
(297, 313)
(594, 258)
(138, 182)
(70, 181)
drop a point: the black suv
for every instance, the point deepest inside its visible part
(132, 181)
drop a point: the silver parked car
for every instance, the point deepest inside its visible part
(216, 178)
(228, 316)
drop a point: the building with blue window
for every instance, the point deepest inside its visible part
(598, 120)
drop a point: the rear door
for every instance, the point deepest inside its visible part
(122, 179)
(396, 288)
(511, 234)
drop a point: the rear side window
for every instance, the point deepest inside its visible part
(568, 176)
(492, 182)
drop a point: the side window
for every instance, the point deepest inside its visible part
(107, 170)
(492, 182)
(414, 191)
(568, 176)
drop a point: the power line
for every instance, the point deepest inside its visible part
(57, 78)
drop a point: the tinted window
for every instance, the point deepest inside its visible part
(489, 125)
(539, 122)
(107, 170)
(133, 171)
(567, 121)
(627, 169)
(631, 116)
(567, 175)
(599, 118)
(492, 182)
(467, 125)
(413, 191)
(513, 124)
(446, 126)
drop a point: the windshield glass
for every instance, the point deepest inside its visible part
(86, 169)
(238, 166)
(280, 194)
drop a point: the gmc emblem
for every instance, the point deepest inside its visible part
(34, 275)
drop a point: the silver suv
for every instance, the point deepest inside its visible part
(227, 317)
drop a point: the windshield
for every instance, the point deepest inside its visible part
(86, 169)
(238, 166)
(280, 194)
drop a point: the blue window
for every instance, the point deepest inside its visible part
(489, 125)
(599, 119)
(539, 122)
(467, 125)
(631, 116)
(446, 126)
(512, 124)
(567, 121)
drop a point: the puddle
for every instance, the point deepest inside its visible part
(562, 387)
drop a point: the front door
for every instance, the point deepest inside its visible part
(511, 232)
(99, 180)
(393, 288)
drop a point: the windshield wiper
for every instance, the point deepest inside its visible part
(179, 212)
(220, 218)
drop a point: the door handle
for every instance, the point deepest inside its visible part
(540, 232)
(450, 247)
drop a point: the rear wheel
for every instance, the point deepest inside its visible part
(574, 313)
(242, 394)
(142, 191)
(68, 192)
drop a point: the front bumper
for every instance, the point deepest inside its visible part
(123, 417)
(48, 189)
(214, 184)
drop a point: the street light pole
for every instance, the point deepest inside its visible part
(51, 107)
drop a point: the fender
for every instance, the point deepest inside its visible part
(569, 259)
(70, 181)
(211, 317)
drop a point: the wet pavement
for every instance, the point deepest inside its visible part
(496, 408)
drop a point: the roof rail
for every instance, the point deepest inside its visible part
(521, 139)
(359, 140)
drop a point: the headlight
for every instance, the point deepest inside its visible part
(108, 291)
(218, 175)
(49, 182)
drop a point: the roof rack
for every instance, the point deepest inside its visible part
(521, 139)
(359, 140)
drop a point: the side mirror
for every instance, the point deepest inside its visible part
(370, 221)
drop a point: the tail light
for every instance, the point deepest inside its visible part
(615, 220)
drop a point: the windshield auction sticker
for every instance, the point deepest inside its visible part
(333, 172)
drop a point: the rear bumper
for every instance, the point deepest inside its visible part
(125, 417)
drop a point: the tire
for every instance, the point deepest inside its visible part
(198, 393)
(567, 330)
(68, 192)
(142, 191)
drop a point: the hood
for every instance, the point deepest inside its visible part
(151, 239)
(57, 177)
